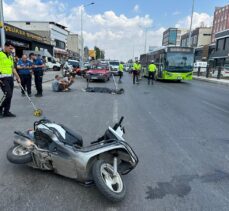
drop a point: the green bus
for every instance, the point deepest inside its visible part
(173, 63)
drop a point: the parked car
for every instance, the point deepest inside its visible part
(224, 72)
(52, 64)
(98, 72)
(114, 67)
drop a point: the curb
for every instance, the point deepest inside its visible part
(211, 81)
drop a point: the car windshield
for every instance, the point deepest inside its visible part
(73, 63)
(98, 67)
(179, 62)
(114, 63)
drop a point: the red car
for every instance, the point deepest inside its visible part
(98, 72)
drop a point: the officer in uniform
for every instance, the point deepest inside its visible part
(136, 70)
(24, 68)
(6, 79)
(151, 69)
(120, 72)
(38, 66)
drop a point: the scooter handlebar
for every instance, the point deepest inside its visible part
(120, 121)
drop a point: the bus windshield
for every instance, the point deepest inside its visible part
(182, 62)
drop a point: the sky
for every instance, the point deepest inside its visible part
(116, 26)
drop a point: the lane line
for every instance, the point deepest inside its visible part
(215, 106)
(115, 111)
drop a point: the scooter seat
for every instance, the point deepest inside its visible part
(72, 138)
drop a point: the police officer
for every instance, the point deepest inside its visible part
(6, 79)
(24, 68)
(38, 73)
(120, 72)
(151, 70)
(136, 70)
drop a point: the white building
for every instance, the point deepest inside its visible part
(74, 43)
(55, 33)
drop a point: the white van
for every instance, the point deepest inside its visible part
(202, 65)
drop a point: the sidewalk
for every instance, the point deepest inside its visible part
(48, 76)
(212, 80)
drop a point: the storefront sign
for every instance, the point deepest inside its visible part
(23, 33)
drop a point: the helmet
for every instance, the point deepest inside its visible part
(152, 61)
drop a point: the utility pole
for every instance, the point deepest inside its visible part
(3, 38)
(145, 40)
(190, 31)
(81, 34)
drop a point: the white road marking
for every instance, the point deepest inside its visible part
(215, 106)
(115, 111)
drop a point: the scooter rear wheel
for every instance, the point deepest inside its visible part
(112, 187)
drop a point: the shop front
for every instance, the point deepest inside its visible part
(24, 40)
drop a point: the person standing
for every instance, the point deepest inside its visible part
(136, 71)
(7, 71)
(38, 73)
(151, 70)
(24, 69)
(120, 72)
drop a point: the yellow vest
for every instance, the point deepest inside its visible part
(137, 67)
(6, 64)
(121, 67)
(152, 68)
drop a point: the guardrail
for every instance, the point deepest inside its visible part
(210, 72)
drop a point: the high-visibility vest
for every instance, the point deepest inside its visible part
(152, 68)
(6, 64)
(121, 67)
(137, 66)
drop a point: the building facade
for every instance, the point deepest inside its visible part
(220, 56)
(24, 40)
(74, 44)
(172, 36)
(220, 21)
(200, 36)
(56, 34)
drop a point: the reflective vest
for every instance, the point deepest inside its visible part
(6, 65)
(121, 67)
(152, 68)
(137, 66)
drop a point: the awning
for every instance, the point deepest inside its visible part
(60, 51)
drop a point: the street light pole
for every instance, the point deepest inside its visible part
(81, 33)
(190, 31)
(3, 39)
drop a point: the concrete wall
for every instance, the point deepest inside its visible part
(204, 37)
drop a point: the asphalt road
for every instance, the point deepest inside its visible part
(178, 130)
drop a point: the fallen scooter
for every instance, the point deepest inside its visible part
(54, 147)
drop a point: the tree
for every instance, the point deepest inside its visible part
(97, 52)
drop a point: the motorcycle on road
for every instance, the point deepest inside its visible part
(54, 147)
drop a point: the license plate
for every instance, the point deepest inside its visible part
(179, 77)
(93, 77)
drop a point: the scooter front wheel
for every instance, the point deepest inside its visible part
(19, 155)
(110, 185)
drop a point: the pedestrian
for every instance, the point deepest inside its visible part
(151, 70)
(24, 67)
(7, 71)
(120, 72)
(136, 71)
(38, 73)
